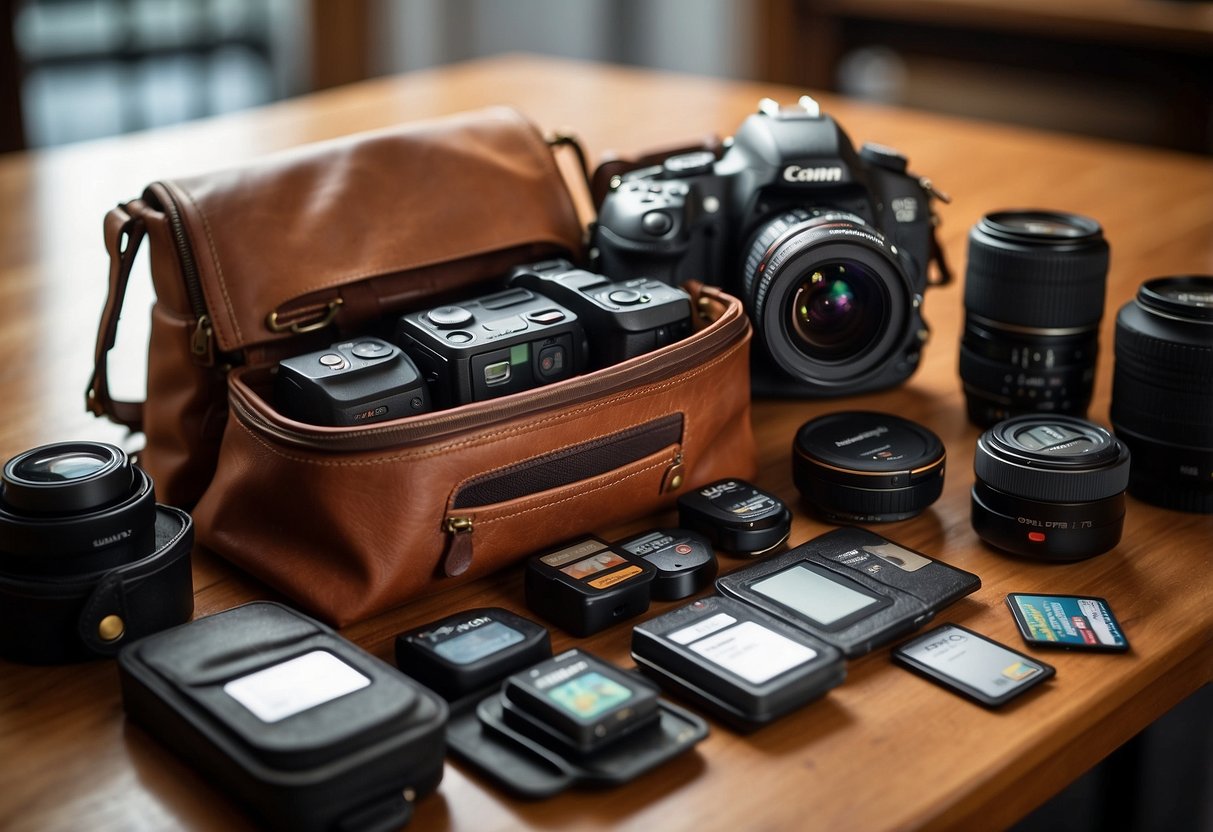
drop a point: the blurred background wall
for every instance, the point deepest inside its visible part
(1134, 70)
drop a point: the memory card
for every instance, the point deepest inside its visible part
(1069, 622)
(972, 665)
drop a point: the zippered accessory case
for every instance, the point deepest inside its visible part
(307, 730)
(288, 255)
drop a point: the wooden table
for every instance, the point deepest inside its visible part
(885, 750)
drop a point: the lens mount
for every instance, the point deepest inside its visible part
(829, 298)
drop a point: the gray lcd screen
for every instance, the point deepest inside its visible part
(825, 600)
(476, 644)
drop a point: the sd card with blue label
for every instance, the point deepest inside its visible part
(1070, 622)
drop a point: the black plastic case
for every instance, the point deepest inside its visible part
(354, 760)
(726, 680)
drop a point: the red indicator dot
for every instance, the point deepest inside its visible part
(1036, 537)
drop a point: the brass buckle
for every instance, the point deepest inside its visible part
(299, 327)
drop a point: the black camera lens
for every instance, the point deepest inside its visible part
(1162, 391)
(74, 507)
(827, 295)
(1034, 296)
(1049, 487)
(88, 561)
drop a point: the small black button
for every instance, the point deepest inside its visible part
(657, 223)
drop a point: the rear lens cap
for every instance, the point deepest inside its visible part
(867, 467)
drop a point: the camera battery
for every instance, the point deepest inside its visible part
(685, 561)
(579, 701)
(587, 585)
(471, 650)
(736, 516)
(734, 661)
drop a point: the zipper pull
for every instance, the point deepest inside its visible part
(674, 475)
(202, 341)
(458, 555)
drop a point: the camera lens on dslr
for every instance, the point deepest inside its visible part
(1049, 487)
(828, 296)
(88, 561)
(1034, 296)
(1162, 391)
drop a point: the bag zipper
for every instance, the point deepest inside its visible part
(731, 329)
(202, 341)
(555, 470)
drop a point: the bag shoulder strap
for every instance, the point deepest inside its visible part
(124, 231)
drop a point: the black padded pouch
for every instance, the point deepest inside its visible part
(57, 619)
(307, 730)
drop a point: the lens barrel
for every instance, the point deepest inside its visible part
(1049, 487)
(1034, 296)
(1162, 391)
(74, 508)
(828, 296)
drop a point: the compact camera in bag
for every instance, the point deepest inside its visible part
(828, 248)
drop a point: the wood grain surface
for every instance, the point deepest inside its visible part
(887, 750)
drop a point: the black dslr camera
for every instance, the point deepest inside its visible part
(493, 345)
(828, 248)
(625, 318)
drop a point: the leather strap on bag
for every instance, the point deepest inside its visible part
(124, 231)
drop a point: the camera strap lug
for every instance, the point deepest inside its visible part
(458, 555)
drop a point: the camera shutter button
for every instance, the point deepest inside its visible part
(449, 316)
(625, 297)
(332, 360)
(371, 349)
(884, 157)
(656, 223)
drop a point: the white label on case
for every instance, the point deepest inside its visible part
(702, 628)
(296, 685)
(753, 652)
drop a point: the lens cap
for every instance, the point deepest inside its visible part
(863, 466)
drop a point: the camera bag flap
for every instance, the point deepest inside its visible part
(267, 260)
(350, 521)
(303, 727)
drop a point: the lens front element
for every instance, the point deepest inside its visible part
(836, 311)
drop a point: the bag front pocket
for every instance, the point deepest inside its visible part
(522, 491)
